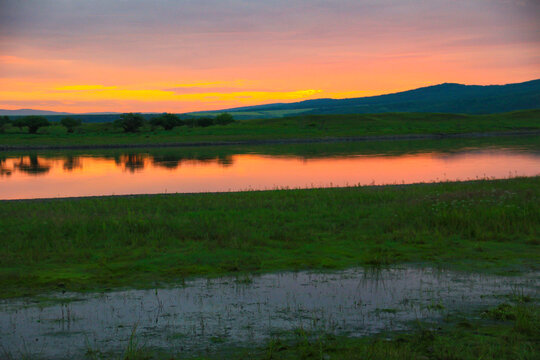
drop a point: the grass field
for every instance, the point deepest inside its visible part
(297, 127)
(99, 243)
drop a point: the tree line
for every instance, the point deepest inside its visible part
(129, 122)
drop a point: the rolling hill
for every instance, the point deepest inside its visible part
(443, 98)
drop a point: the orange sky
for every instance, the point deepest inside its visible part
(180, 56)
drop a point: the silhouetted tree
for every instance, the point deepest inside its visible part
(130, 122)
(34, 122)
(224, 119)
(167, 121)
(70, 123)
(19, 122)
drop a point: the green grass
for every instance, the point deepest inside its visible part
(296, 127)
(100, 243)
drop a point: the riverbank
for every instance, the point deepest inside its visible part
(372, 138)
(144, 241)
(298, 129)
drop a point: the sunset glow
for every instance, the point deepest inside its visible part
(182, 56)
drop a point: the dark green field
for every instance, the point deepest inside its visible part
(297, 127)
(100, 243)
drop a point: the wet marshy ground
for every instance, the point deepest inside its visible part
(207, 315)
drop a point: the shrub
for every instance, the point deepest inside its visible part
(224, 119)
(130, 122)
(4, 120)
(167, 121)
(19, 122)
(205, 121)
(70, 123)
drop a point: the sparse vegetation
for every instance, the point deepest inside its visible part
(514, 338)
(461, 336)
(296, 127)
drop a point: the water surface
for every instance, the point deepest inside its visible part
(45, 175)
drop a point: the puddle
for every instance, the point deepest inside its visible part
(208, 315)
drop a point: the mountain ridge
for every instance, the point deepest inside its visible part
(442, 98)
(445, 97)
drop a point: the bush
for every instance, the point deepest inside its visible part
(167, 121)
(70, 123)
(224, 119)
(130, 122)
(204, 122)
(4, 121)
(19, 122)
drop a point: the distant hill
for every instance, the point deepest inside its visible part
(23, 112)
(443, 98)
(54, 116)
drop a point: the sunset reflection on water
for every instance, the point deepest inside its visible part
(41, 176)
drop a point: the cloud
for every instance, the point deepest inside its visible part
(84, 87)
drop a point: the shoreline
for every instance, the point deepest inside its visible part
(381, 186)
(366, 138)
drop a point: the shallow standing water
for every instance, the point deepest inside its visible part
(208, 315)
(64, 175)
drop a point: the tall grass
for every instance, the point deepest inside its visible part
(91, 243)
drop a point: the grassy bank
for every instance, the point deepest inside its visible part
(307, 151)
(298, 127)
(97, 243)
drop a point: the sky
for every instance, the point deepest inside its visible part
(192, 55)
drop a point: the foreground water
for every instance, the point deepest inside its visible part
(66, 175)
(207, 315)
